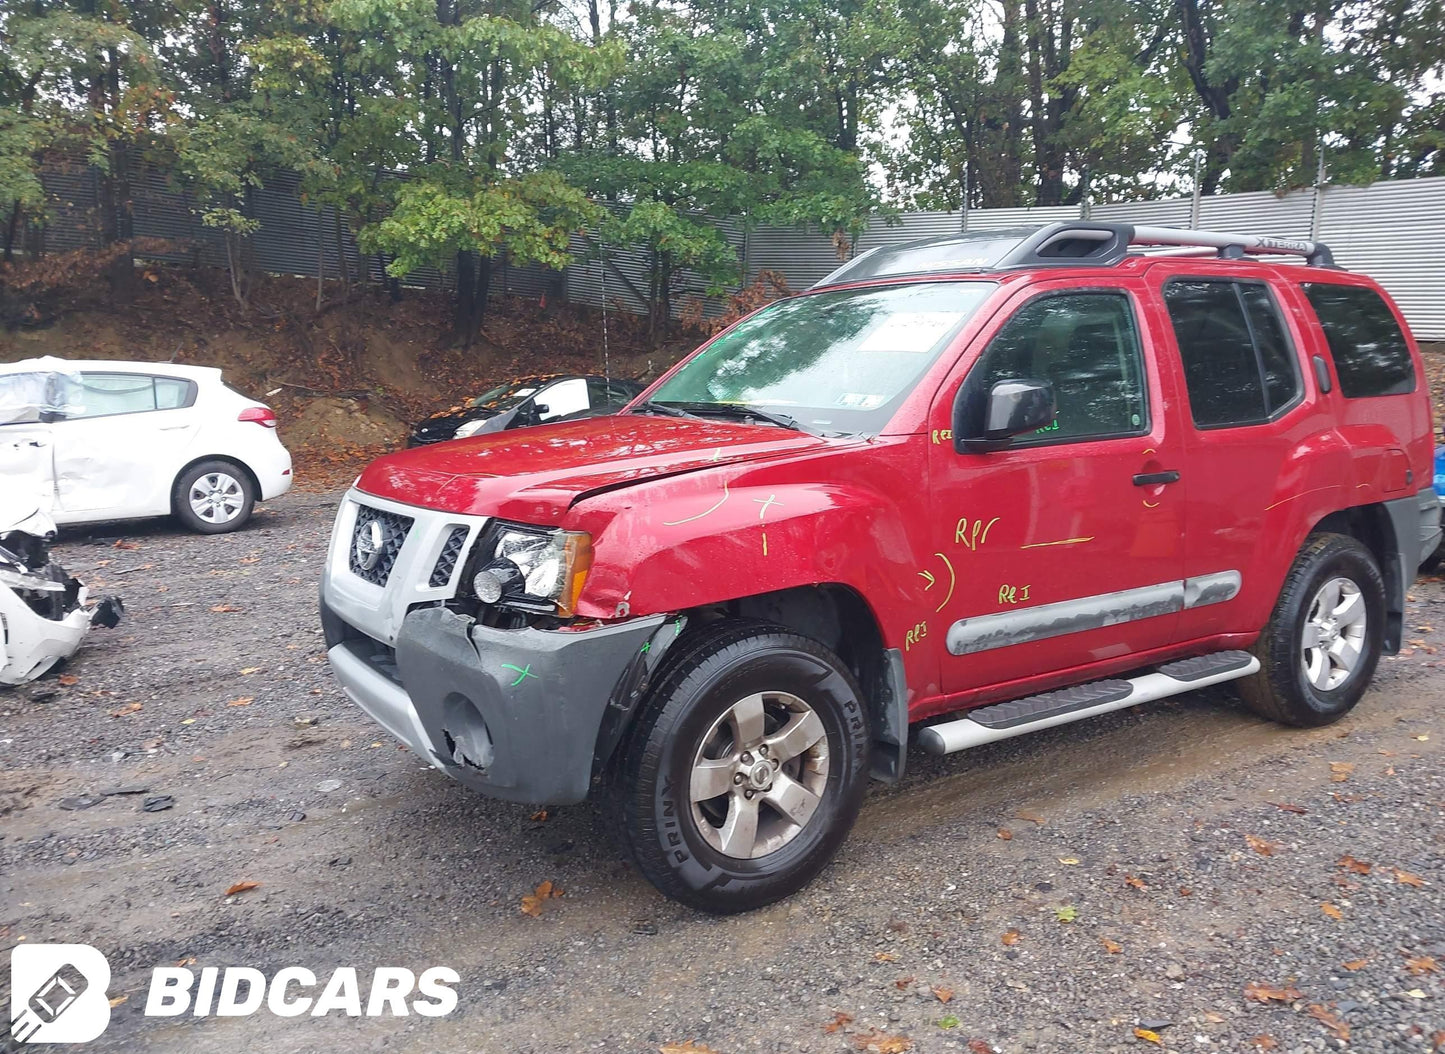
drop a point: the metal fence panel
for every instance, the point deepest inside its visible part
(1387, 230)
(1392, 232)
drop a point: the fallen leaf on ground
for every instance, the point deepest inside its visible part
(1331, 1021)
(1407, 879)
(118, 1000)
(885, 957)
(1031, 817)
(532, 902)
(1148, 1035)
(128, 708)
(241, 887)
(1265, 993)
(687, 1047)
(1211, 1016)
(1332, 911)
(1298, 810)
(1136, 883)
(248, 670)
(1422, 739)
(978, 1046)
(882, 1042)
(1005, 833)
(1066, 913)
(1265, 1042)
(224, 608)
(839, 1020)
(540, 816)
(1422, 964)
(1340, 771)
(1262, 846)
(68, 679)
(1068, 861)
(903, 982)
(943, 993)
(1011, 937)
(244, 700)
(1438, 1040)
(1112, 947)
(948, 1021)
(1356, 964)
(121, 543)
(1349, 863)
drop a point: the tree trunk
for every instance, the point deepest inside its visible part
(11, 229)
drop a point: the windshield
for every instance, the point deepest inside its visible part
(503, 397)
(835, 362)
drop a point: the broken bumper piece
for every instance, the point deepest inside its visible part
(514, 713)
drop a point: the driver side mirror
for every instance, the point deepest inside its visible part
(1010, 408)
(540, 409)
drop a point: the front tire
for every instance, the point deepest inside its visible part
(745, 770)
(1320, 649)
(214, 497)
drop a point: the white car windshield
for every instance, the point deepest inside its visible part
(835, 362)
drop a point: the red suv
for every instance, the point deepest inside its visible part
(987, 483)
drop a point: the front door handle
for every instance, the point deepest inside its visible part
(1154, 479)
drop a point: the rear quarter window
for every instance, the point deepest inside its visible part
(1367, 344)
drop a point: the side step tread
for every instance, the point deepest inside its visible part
(1202, 666)
(1050, 704)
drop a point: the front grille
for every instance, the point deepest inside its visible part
(373, 554)
(447, 562)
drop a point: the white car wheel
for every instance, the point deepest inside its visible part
(214, 497)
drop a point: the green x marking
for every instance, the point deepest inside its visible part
(522, 674)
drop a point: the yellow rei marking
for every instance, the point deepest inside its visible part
(913, 636)
(1013, 594)
(1062, 541)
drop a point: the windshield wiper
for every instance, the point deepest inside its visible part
(661, 408)
(743, 411)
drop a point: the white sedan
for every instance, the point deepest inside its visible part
(100, 440)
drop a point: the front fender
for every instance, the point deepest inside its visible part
(711, 537)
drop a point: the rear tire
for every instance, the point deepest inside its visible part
(745, 769)
(1320, 649)
(214, 497)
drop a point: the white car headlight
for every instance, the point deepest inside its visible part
(533, 568)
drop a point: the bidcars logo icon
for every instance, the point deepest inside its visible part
(57, 993)
(370, 540)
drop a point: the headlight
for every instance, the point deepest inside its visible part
(469, 429)
(531, 568)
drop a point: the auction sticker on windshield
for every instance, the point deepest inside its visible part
(913, 331)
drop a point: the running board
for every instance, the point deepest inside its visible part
(1014, 718)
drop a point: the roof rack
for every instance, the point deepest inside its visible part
(1070, 244)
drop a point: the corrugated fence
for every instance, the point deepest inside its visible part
(1390, 231)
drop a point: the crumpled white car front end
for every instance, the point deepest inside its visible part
(44, 614)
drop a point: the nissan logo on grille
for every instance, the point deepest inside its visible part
(369, 543)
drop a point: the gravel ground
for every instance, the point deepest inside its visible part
(1195, 850)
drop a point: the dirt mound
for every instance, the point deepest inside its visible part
(355, 422)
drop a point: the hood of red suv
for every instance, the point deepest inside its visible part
(535, 475)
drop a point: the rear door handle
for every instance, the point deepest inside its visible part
(1153, 479)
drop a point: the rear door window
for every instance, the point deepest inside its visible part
(109, 394)
(1371, 355)
(1239, 366)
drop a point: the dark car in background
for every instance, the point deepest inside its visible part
(527, 401)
